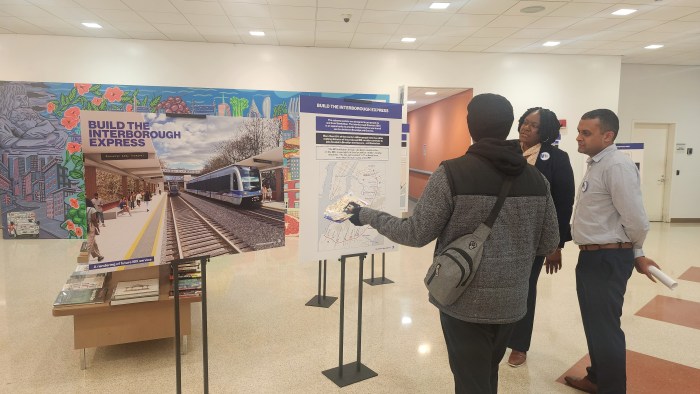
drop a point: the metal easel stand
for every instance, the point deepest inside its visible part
(345, 375)
(384, 280)
(320, 299)
(176, 293)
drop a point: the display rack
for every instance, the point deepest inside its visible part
(97, 325)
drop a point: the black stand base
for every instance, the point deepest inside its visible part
(324, 302)
(350, 374)
(378, 281)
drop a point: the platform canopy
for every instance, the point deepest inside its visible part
(265, 160)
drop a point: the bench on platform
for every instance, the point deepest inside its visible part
(110, 215)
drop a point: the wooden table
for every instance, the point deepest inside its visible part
(98, 325)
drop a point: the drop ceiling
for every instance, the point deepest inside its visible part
(493, 26)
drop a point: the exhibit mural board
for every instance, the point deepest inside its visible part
(42, 174)
(347, 147)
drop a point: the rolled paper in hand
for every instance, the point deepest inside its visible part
(665, 279)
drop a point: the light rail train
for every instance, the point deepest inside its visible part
(234, 184)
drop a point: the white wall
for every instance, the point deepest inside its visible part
(568, 84)
(667, 94)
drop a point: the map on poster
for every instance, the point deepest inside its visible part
(364, 180)
(348, 148)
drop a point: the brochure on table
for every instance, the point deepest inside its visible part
(347, 147)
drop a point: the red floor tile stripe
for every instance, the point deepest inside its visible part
(672, 310)
(692, 274)
(647, 375)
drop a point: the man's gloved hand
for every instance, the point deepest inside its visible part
(354, 209)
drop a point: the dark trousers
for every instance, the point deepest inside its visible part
(601, 281)
(474, 351)
(522, 333)
(100, 217)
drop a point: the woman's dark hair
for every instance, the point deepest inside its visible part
(549, 124)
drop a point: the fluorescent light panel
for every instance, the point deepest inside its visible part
(439, 6)
(408, 39)
(92, 25)
(257, 33)
(551, 43)
(409, 102)
(624, 11)
(653, 46)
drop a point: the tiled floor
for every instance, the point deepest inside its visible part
(262, 339)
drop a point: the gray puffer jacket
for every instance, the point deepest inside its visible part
(458, 197)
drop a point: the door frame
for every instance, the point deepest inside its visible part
(668, 170)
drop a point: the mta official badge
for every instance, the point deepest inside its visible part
(544, 155)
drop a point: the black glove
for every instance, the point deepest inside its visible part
(354, 209)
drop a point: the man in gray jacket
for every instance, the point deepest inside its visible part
(458, 197)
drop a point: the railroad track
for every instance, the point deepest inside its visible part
(192, 234)
(265, 215)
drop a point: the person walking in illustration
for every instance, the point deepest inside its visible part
(147, 198)
(97, 202)
(124, 206)
(12, 230)
(132, 200)
(93, 230)
(139, 197)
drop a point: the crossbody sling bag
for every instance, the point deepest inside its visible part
(454, 268)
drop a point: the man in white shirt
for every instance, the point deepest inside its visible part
(97, 202)
(609, 226)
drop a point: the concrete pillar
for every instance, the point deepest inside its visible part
(90, 181)
(125, 186)
(278, 193)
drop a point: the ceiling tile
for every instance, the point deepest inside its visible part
(485, 41)
(294, 25)
(47, 23)
(255, 10)
(516, 42)
(595, 24)
(371, 16)
(556, 22)
(198, 7)
(135, 27)
(258, 23)
(299, 3)
(579, 9)
(332, 44)
(354, 4)
(336, 14)
(377, 28)
(634, 25)
(583, 43)
(103, 4)
(333, 36)
(534, 33)
(401, 45)
(678, 27)
(25, 10)
(427, 18)
(691, 18)
(72, 13)
(118, 15)
(288, 12)
(668, 13)
(467, 20)
(512, 21)
(549, 7)
(231, 38)
(444, 40)
(494, 32)
(55, 3)
(150, 5)
(216, 30)
(415, 30)
(390, 5)
(456, 31)
(17, 25)
(209, 20)
(171, 18)
(468, 48)
(435, 47)
(336, 26)
(651, 36)
(487, 6)
(455, 5)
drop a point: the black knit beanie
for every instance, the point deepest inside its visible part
(489, 116)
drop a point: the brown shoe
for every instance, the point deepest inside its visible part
(517, 358)
(582, 384)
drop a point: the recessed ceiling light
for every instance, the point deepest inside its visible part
(624, 11)
(532, 9)
(257, 33)
(551, 43)
(653, 46)
(439, 6)
(409, 102)
(430, 93)
(92, 25)
(408, 39)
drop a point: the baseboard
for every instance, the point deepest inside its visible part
(685, 220)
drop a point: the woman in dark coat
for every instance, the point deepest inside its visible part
(539, 128)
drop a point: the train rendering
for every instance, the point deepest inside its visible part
(234, 184)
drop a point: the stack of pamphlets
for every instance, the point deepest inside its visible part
(80, 297)
(89, 281)
(134, 291)
(189, 280)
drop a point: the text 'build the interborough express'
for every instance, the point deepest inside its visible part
(109, 133)
(346, 107)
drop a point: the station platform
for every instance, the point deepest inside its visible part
(138, 235)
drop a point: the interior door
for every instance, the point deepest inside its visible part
(655, 139)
